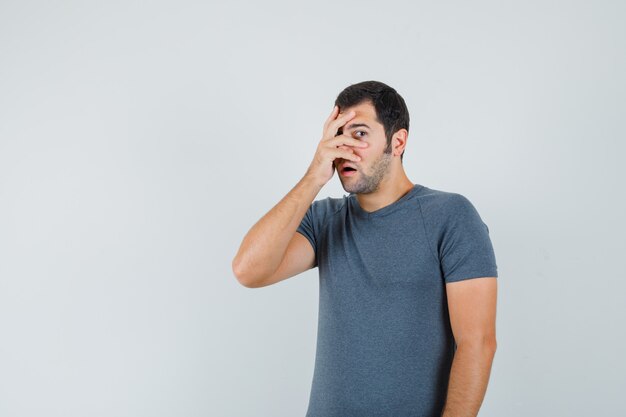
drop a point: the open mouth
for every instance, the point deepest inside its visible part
(348, 171)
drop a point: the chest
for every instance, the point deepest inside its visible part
(378, 252)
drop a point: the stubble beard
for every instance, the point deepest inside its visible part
(365, 184)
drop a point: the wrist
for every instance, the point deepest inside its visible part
(313, 181)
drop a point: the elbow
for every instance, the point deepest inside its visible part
(242, 275)
(490, 343)
(239, 272)
(483, 344)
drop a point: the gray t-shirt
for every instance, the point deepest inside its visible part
(384, 341)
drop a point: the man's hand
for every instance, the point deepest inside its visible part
(333, 146)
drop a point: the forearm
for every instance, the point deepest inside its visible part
(264, 245)
(469, 377)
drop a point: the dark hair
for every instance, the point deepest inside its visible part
(391, 110)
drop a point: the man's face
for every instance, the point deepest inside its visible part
(375, 162)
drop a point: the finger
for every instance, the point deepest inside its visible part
(346, 153)
(334, 125)
(345, 148)
(347, 140)
(332, 116)
(351, 156)
(342, 120)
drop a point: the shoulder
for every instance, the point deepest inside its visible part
(444, 203)
(329, 204)
(443, 210)
(325, 208)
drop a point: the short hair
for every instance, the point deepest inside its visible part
(391, 110)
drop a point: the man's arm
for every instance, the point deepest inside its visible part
(264, 247)
(472, 307)
(263, 256)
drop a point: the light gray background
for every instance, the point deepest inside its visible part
(140, 141)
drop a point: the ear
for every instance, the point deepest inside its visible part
(398, 141)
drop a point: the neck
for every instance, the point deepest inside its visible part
(395, 185)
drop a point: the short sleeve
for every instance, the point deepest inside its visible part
(465, 248)
(307, 228)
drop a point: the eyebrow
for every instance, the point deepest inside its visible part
(353, 125)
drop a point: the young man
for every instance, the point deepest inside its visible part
(407, 274)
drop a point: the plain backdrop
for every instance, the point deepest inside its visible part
(139, 142)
